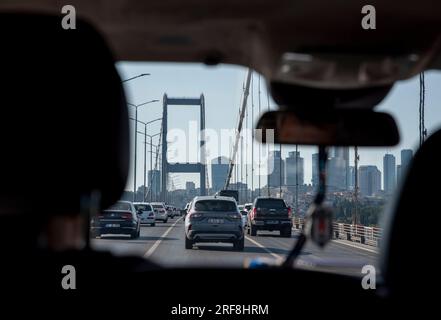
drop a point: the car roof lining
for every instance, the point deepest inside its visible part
(249, 33)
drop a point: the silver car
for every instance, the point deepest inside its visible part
(214, 219)
(160, 211)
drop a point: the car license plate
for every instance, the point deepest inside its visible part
(112, 225)
(272, 222)
(216, 221)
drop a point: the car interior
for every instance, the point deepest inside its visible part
(64, 110)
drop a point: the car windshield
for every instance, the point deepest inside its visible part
(215, 205)
(278, 175)
(270, 204)
(120, 206)
(143, 207)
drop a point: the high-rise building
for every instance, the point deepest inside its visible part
(292, 176)
(345, 154)
(351, 184)
(154, 181)
(369, 178)
(189, 186)
(406, 158)
(398, 174)
(276, 169)
(315, 170)
(338, 168)
(219, 172)
(336, 179)
(389, 173)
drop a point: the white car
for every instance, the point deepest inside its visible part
(244, 214)
(145, 213)
(160, 211)
(170, 211)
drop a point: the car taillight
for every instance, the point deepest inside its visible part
(289, 213)
(150, 214)
(127, 216)
(195, 215)
(235, 216)
(253, 214)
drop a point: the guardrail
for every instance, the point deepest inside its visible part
(356, 233)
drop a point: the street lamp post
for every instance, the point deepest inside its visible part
(136, 141)
(145, 147)
(151, 163)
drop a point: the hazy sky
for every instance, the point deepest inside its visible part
(222, 87)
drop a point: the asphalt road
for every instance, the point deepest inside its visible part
(164, 244)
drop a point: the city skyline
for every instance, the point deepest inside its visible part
(384, 180)
(222, 87)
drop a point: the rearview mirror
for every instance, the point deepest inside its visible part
(341, 127)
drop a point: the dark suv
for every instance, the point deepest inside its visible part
(270, 214)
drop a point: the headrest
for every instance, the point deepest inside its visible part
(411, 230)
(63, 117)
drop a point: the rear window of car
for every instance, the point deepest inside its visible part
(215, 205)
(120, 206)
(248, 207)
(143, 207)
(271, 203)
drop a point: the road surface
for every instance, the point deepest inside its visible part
(164, 244)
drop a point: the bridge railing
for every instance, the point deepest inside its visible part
(356, 233)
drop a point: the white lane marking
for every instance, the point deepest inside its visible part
(158, 242)
(354, 246)
(275, 255)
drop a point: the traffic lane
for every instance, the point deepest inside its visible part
(173, 253)
(334, 257)
(164, 244)
(123, 245)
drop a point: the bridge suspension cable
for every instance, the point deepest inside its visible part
(239, 129)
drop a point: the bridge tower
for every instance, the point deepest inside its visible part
(183, 167)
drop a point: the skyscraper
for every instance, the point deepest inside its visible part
(406, 158)
(219, 172)
(336, 174)
(190, 186)
(290, 169)
(369, 180)
(338, 168)
(276, 169)
(389, 173)
(351, 184)
(398, 174)
(315, 170)
(154, 181)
